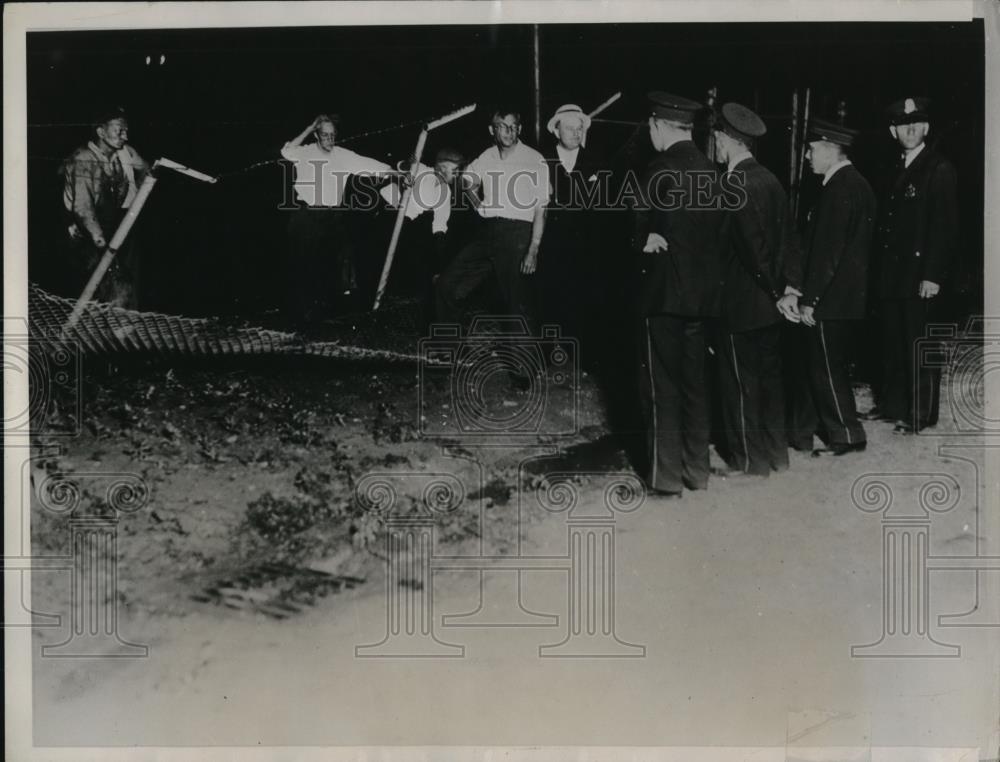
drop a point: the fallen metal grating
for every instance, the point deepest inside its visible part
(391, 334)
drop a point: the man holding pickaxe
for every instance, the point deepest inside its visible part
(100, 184)
(424, 240)
(320, 238)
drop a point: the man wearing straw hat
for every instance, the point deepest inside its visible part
(760, 246)
(918, 243)
(832, 291)
(567, 270)
(677, 235)
(100, 183)
(514, 183)
(318, 230)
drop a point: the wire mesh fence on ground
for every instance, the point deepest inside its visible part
(391, 334)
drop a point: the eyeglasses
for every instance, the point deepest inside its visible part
(504, 127)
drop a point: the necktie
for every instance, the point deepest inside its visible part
(117, 180)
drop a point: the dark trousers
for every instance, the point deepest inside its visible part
(753, 400)
(568, 276)
(320, 261)
(419, 258)
(497, 250)
(823, 399)
(909, 393)
(674, 401)
(120, 284)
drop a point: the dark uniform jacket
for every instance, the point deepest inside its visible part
(837, 245)
(759, 244)
(918, 228)
(572, 188)
(680, 203)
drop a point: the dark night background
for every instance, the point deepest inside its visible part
(225, 99)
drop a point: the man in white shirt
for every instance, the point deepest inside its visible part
(320, 240)
(431, 190)
(422, 249)
(514, 183)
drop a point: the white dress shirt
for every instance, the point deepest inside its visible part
(567, 157)
(514, 187)
(909, 156)
(430, 193)
(327, 172)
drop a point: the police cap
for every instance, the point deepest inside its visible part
(740, 122)
(909, 110)
(673, 107)
(820, 129)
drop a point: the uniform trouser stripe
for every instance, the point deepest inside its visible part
(652, 395)
(743, 420)
(833, 389)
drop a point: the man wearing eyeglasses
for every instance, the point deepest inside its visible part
(514, 182)
(320, 239)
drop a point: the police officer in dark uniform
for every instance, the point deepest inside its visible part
(758, 247)
(918, 233)
(677, 234)
(832, 294)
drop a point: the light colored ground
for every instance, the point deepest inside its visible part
(747, 598)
